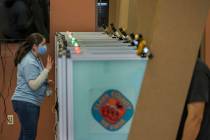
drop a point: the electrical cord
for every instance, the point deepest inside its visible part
(10, 83)
(12, 74)
(5, 113)
(12, 54)
(3, 70)
(55, 111)
(2, 89)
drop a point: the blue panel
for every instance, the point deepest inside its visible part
(90, 80)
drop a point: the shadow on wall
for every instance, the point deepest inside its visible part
(4, 18)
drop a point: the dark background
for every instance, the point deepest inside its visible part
(19, 18)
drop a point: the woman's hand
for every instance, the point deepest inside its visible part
(49, 63)
(50, 83)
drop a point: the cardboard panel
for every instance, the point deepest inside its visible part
(132, 19)
(112, 11)
(134, 15)
(177, 34)
(118, 12)
(123, 13)
(141, 17)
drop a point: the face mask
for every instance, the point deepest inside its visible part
(42, 49)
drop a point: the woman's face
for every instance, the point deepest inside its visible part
(41, 48)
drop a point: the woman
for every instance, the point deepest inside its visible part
(32, 84)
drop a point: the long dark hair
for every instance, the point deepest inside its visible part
(27, 45)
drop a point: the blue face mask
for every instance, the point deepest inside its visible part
(42, 49)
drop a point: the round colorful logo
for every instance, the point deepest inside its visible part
(112, 110)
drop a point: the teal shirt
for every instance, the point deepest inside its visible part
(29, 69)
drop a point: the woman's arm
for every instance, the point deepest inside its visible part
(35, 84)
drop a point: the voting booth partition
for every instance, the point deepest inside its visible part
(98, 86)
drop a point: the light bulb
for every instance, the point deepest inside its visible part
(136, 36)
(145, 50)
(135, 42)
(77, 49)
(73, 40)
(76, 44)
